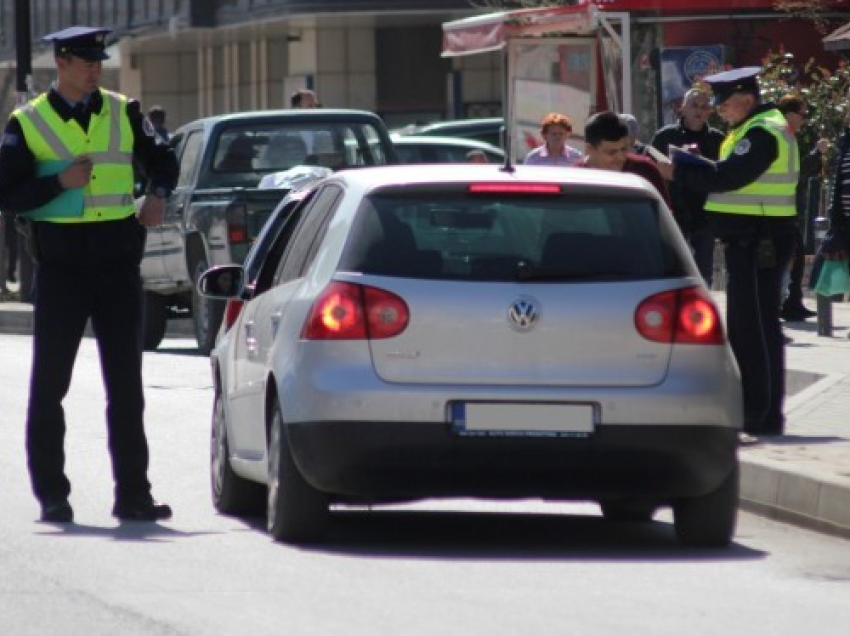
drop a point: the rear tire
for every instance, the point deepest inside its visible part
(231, 494)
(709, 521)
(297, 512)
(155, 320)
(207, 313)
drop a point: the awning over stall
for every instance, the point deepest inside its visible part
(491, 32)
(838, 40)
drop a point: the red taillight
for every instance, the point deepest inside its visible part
(683, 316)
(514, 188)
(347, 311)
(231, 312)
(237, 223)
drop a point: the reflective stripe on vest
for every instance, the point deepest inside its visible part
(109, 143)
(774, 192)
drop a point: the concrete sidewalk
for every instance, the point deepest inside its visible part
(803, 476)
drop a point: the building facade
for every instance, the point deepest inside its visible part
(204, 57)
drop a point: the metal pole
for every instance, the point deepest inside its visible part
(824, 303)
(23, 51)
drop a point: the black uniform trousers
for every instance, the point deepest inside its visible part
(88, 271)
(753, 302)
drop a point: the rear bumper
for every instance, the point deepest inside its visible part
(388, 461)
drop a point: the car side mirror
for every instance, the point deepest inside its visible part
(222, 282)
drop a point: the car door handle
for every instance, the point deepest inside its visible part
(250, 339)
(275, 319)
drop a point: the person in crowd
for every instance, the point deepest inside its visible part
(66, 168)
(304, 98)
(836, 243)
(157, 115)
(693, 131)
(555, 130)
(636, 146)
(607, 147)
(751, 208)
(796, 111)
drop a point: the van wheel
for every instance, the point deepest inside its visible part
(709, 521)
(155, 320)
(207, 313)
(231, 494)
(297, 512)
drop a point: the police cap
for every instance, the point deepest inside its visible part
(87, 43)
(738, 80)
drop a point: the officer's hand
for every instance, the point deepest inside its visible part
(152, 211)
(77, 174)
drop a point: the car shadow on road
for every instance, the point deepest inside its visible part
(508, 536)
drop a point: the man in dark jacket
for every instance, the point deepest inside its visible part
(693, 130)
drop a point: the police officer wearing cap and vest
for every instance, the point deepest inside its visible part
(751, 208)
(66, 170)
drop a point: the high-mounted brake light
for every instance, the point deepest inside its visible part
(347, 311)
(682, 316)
(514, 188)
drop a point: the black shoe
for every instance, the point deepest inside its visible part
(57, 511)
(146, 511)
(796, 313)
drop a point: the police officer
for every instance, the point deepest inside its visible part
(66, 167)
(751, 209)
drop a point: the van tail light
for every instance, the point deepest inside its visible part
(347, 311)
(231, 312)
(682, 316)
(236, 217)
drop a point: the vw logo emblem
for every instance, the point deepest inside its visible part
(524, 314)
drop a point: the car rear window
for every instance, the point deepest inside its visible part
(515, 237)
(244, 153)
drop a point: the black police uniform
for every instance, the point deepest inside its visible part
(85, 270)
(758, 250)
(689, 205)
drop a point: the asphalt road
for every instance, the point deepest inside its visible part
(443, 568)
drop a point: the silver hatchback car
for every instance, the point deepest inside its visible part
(471, 331)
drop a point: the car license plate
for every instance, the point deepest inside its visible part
(493, 419)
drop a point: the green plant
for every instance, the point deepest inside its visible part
(825, 91)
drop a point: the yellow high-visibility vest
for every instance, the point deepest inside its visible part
(774, 192)
(109, 142)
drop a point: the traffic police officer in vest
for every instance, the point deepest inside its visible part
(751, 209)
(66, 170)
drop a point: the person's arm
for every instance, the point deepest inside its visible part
(751, 157)
(158, 161)
(836, 243)
(20, 189)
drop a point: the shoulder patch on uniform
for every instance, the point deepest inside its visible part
(9, 139)
(743, 147)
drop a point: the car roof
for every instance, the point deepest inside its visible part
(434, 140)
(413, 175)
(291, 114)
(464, 124)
